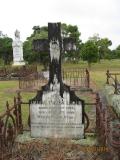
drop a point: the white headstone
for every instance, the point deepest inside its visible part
(17, 50)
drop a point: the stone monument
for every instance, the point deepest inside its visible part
(17, 50)
(56, 111)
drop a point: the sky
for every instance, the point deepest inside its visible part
(91, 16)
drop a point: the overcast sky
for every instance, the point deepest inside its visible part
(91, 16)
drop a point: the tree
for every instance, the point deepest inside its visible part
(70, 31)
(29, 54)
(103, 47)
(89, 52)
(6, 49)
(116, 52)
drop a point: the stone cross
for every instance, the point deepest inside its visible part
(55, 45)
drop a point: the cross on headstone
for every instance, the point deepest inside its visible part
(56, 97)
(55, 45)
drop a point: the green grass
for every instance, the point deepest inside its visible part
(8, 90)
(102, 66)
(8, 84)
(6, 93)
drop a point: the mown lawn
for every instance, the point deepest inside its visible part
(9, 90)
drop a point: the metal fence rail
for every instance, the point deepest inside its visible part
(108, 128)
(75, 78)
(114, 80)
(10, 126)
(7, 73)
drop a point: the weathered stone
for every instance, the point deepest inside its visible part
(56, 121)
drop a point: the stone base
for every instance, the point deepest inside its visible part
(22, 63)
(89, 140)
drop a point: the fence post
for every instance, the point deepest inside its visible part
(97, 99)
(1, 133)
(88, 78)
(97, 112)
(63, 74)
(7, 106)
(108, 76)
(19, 112)
(5, 72)
(10, 131)
(16, 114)
(115, 84)
(20, 82)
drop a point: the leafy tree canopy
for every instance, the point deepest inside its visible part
(89, 52)
(102, 44)
(6, 49)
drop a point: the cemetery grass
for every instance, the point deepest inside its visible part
(8, 89)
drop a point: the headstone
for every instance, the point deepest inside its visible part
(17, 50)
(56, 111)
